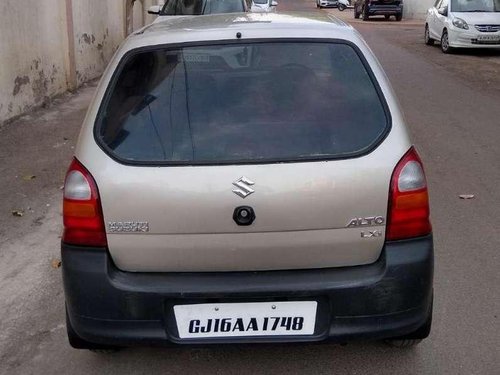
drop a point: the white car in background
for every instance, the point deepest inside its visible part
(263, 6)
(463, 24)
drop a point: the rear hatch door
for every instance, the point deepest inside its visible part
(293, 130)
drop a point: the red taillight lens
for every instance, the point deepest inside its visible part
(82, 213)
(408, 215)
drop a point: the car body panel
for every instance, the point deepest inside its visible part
(302, 209)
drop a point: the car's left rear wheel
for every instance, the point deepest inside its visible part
(78, 343)
(416, 337)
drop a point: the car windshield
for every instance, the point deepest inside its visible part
(199, 7)
(242, 103)
(475, 5)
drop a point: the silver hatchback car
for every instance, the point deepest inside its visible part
(245, 178)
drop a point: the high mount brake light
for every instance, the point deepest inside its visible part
(82, 212)
(408, 214)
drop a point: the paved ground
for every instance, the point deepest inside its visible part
(452, 107)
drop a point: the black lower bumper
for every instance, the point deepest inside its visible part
(389, 298)
(383, 10)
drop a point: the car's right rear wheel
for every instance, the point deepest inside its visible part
(427, 36)
(402, 344)
(413, 338)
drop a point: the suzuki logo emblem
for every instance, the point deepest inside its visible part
(243, 187)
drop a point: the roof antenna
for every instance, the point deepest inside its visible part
(238, 35)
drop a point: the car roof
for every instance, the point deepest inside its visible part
(182, 29)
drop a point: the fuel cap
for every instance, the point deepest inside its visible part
(244, 215)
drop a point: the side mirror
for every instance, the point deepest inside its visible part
(443, 11)
(274, 3)
(155, 9)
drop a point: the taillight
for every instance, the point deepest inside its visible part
(82, 213)
(408, 214)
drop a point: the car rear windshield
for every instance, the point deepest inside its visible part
(241, 103)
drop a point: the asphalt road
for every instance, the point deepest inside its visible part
(452, 108)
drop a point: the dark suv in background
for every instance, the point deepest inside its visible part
(387, 8)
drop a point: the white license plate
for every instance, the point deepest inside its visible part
(489, 38)
(246, 319)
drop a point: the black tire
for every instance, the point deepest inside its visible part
(413, 338)
(445, 43)
(365, 14)
(342, 7)
(77, 342)
(427, 36)
(403, 344)
(399, 17)
(387, 17)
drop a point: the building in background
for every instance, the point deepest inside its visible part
(51, 46)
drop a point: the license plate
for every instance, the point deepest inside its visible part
(246, 319)
(489, 38)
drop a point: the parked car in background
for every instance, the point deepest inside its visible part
(197, 7)
(226, 188)
(463, 24)
(263, 6)
(344, 4)
(387, 8)
(327, 3)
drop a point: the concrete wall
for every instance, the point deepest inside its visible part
(32, 54)
(417, 8)
(50, 46)
(98, 30)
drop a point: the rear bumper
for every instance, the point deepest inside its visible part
(375, 10)
(391, 297)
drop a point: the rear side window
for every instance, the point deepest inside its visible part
(241, 103)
